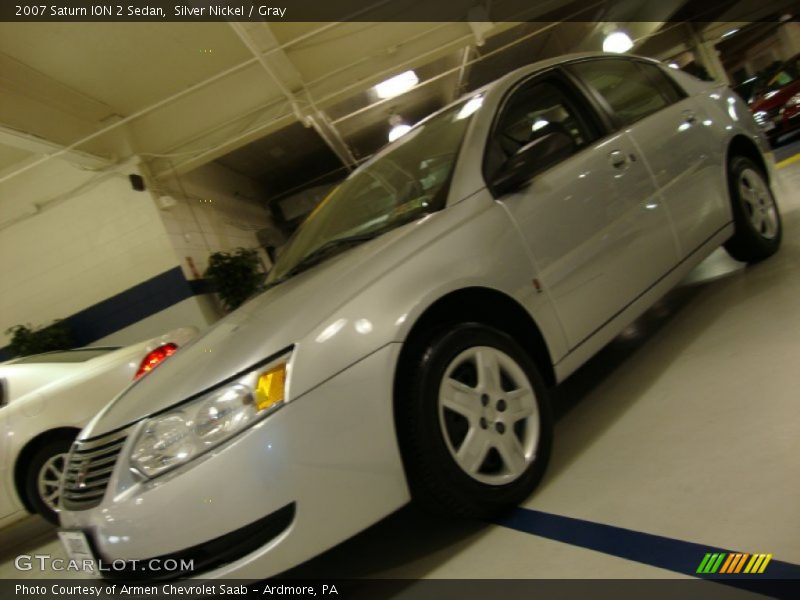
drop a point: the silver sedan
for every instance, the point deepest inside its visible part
(413, 327)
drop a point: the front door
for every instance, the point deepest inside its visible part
(598, 234)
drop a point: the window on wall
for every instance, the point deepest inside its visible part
(533, 111)
(630, 91)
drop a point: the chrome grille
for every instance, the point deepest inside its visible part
(89, 469)
(763, 117)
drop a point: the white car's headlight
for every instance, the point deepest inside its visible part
(184, 433)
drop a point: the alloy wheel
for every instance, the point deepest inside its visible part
(488, 415)
(758, 203)
(49, 480)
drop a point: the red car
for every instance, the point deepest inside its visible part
(777, 107)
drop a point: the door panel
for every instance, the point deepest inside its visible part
(673, 134)
(681, 149)
(597, 232)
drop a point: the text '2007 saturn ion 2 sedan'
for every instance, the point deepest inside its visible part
(413, 326)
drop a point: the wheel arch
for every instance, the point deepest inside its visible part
(484, 305)
(741, 145)
(27, 453)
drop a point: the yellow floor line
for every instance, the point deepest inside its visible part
(787, 161)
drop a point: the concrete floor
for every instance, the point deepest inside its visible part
(685, 427)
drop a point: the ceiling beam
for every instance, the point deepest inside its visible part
(37, 145)
(290, 81)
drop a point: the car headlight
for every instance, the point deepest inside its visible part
(189, 430)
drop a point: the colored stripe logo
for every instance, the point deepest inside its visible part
(731, 563)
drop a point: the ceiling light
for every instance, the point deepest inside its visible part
(398, 131)
(729, 33)
(539, 123)
(617, 42)
(674, 65)
(394, 86)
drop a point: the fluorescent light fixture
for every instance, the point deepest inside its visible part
(674, 65)
(617, 42)
(394, 86)
(729, 33)
(470, 106)
(398, 131)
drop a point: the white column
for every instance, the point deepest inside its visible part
(707, 55)
(789, 38)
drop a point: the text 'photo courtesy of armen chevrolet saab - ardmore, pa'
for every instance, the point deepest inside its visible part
(390, 299)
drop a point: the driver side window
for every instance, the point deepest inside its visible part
(533, 111)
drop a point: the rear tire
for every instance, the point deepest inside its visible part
(42, 479)
(756, 218)
(474, 422)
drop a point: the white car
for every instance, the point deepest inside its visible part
(46, 399)
(413, 327)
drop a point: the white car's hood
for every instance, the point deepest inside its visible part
(22, 379)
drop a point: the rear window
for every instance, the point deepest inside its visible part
(630, 92)
(65, 356)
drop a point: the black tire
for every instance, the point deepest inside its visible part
(52, 448)
(752, 243)
(438, 483)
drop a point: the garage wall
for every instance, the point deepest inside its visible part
(84, 245)
(215, 209)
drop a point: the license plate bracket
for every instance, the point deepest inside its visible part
(77, 547)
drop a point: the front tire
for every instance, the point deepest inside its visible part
(43, 477)
(757, 221)
(474, 422)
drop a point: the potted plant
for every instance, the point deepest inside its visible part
(235, 276)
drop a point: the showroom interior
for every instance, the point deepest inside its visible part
(133, 152)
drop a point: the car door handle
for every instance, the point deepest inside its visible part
(689, 117)
(617, 159)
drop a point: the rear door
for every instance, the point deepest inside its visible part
(596, 230)
(674, 135)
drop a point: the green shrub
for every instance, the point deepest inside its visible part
(26, 340)
(234, 275)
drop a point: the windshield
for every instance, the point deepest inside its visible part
(408, 181)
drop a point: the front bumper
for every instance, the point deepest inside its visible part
(332, 454)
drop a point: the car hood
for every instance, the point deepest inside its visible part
(265, 326)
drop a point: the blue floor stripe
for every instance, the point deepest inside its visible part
(672, 554)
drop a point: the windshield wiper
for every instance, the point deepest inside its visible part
(316, 256)
(319, 254)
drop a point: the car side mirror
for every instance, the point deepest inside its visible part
(533, 158)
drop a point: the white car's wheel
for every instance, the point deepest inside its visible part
(474, 422)
(43, 477)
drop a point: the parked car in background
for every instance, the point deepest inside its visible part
(775, 107)
(46, 399)
(411, 331)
